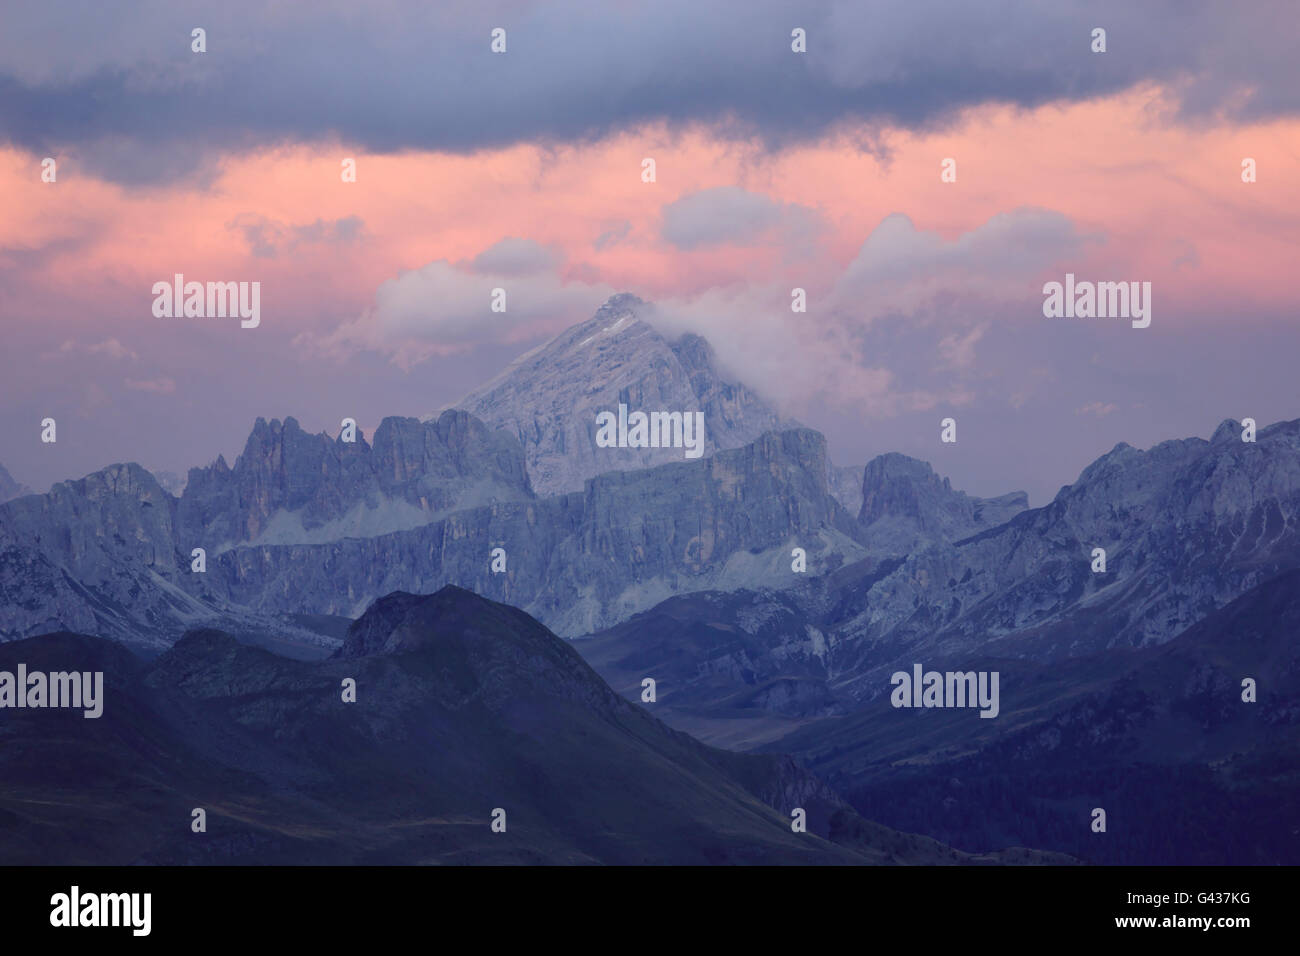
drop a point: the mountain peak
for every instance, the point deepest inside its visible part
(402, 622)
(622, 317)
(9, 488)
(620, 303)
(1110, 463)
(204, 640)
(1229, 428)
(903, 498)
(549, 397)
(485, 651)
(896, 463)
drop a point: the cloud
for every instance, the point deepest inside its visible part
(612, 236)
(19, 261)
(445, 308)
(121, 89)
(515, 257)
(900, 269)
(1099, 409)
(1010, 244)
(729, 214)
(111, 348)
(1185, 255)
(957, 351)
(792, 360)
(159, 386)
(895, 297)
(267, 238)
(921, 299)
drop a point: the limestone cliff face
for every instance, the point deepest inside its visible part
(903, 502)
(586, 560)
(292, 487)
(846, 486)
(285, 532)
(111, 553)
(99, 554)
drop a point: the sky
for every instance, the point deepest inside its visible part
(774, 170)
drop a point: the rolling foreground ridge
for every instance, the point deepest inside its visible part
(439, 719)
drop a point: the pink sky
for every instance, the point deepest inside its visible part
(1165, 200)
(1111, 166)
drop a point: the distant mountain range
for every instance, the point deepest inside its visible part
(305, 529)
(304, 526)
(111, 553)
(1187, 527)
(463, 708)
(689, 571)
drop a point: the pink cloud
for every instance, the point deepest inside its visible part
(158, 386)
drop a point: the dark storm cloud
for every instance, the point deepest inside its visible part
(119, 87)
